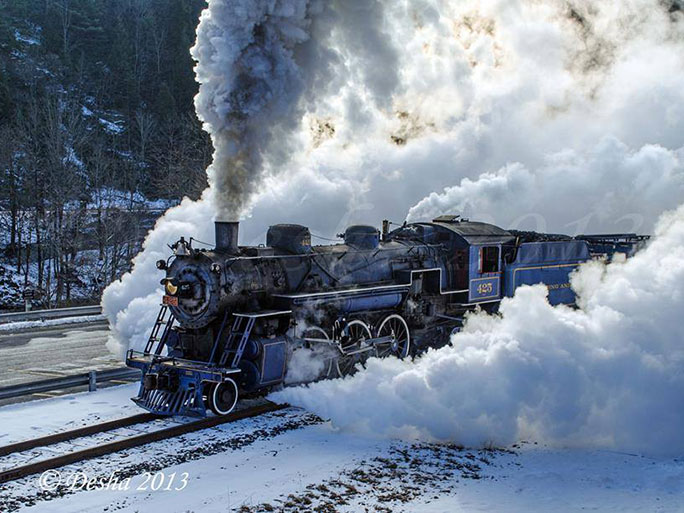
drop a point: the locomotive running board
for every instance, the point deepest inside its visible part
(498, 300)
(180, 364)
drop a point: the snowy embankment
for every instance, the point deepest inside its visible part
(293, 461)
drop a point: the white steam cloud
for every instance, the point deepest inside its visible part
(564, 116)
(611, 186)
(132, 303)
(520, 93)
(610, 374)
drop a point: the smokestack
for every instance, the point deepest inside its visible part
(227, 236)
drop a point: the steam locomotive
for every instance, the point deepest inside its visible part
(241, 320)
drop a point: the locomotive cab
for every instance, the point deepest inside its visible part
(484, 282)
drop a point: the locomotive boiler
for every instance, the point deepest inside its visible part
(239, 320)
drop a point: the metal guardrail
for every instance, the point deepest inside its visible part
(91, 379)
(57, 313)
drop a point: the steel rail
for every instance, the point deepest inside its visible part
(134, 441)
(72, 434)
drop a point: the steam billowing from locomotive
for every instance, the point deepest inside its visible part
(610, 374)
(556, 116)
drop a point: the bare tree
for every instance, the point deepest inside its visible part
(10, 203)
(181, 155)
(145, 126)
(65, 15)
(159, 36)
(140, 18)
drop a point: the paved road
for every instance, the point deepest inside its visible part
(57, 351)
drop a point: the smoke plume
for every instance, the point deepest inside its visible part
(609, 374)
(564, 116)
(250, 83)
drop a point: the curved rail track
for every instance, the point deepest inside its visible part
(118, 445)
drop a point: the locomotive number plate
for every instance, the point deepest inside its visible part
(170, 300)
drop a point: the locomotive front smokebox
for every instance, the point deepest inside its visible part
(227, 236)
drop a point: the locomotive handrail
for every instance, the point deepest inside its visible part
(218, 338)
(342, 292)
(265, 313)
(613, 236)
(360, 290)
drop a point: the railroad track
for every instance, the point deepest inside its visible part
(95, 451)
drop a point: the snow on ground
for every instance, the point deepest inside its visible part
(111, 126)
(25, 39)
(47, 416)
(293, 461)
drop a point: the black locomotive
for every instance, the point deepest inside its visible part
(240, 320)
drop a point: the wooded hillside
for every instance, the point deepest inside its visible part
(97, 135)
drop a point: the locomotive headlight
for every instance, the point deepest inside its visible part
(161, 265)
(215, 268)
(170, 288)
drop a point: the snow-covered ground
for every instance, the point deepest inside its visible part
(293, 461)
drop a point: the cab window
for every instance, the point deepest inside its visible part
(489, 259)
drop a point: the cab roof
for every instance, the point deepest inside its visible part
(474, 232)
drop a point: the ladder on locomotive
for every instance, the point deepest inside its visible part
(237, 339)
(162, 320)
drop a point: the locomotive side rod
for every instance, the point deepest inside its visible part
(135, 441)
(369, 347)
